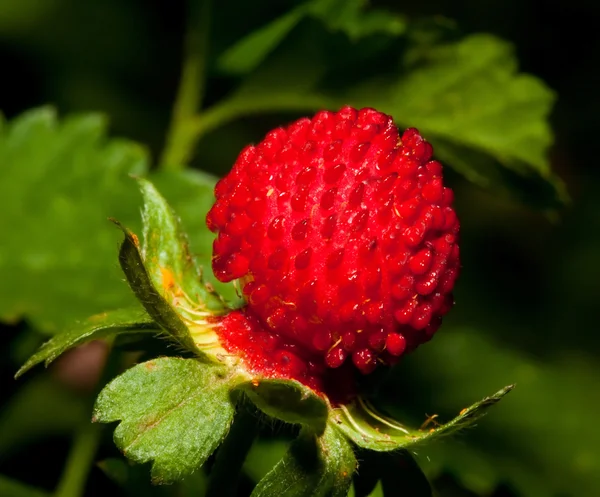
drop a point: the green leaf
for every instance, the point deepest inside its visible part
(95, 327)
(353, 18)
(370, 430)
(59, 182)
(483, 169)
(318, 466)
(156, 306)
(347, 16)
(483, 117)
(174, 412)
(14, 488)
(319, 52)
(190, 193)
(251, 50)
(289, 401)
(468, 96)
(170, 265)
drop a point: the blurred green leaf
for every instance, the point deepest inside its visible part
(520, 183)
(334, 40)
(251, 50)
(348, 16)
(484, 118)
(172, 411)
(538, 440)
(320, 466)
(60, 182)
(469, 95)
(63, 180)
(41, 407)
(14, 488)
(355, 19)
(95, 327)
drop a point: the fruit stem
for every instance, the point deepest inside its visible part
(232, 453)
(87, 437)
(79, 461)
(180, 141)
(235, 107)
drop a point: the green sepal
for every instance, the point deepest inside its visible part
(169, 263)
(319, 466)
(373, 431)
(172, 411)
(289, 401)
(190, 193)
(106, 324)
(156, 306)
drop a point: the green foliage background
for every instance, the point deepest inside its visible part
(527, 297)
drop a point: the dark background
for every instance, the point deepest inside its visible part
(530, 280)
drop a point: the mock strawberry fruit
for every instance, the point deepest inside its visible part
(344, 241)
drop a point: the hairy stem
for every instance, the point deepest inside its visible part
(180, 143)
(232, 453)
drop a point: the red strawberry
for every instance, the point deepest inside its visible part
(344, 239)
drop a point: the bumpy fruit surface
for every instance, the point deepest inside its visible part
(343, 237)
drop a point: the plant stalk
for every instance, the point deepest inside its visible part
(79, 461)
(234, 108)
(179, 142)
(87, 437)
